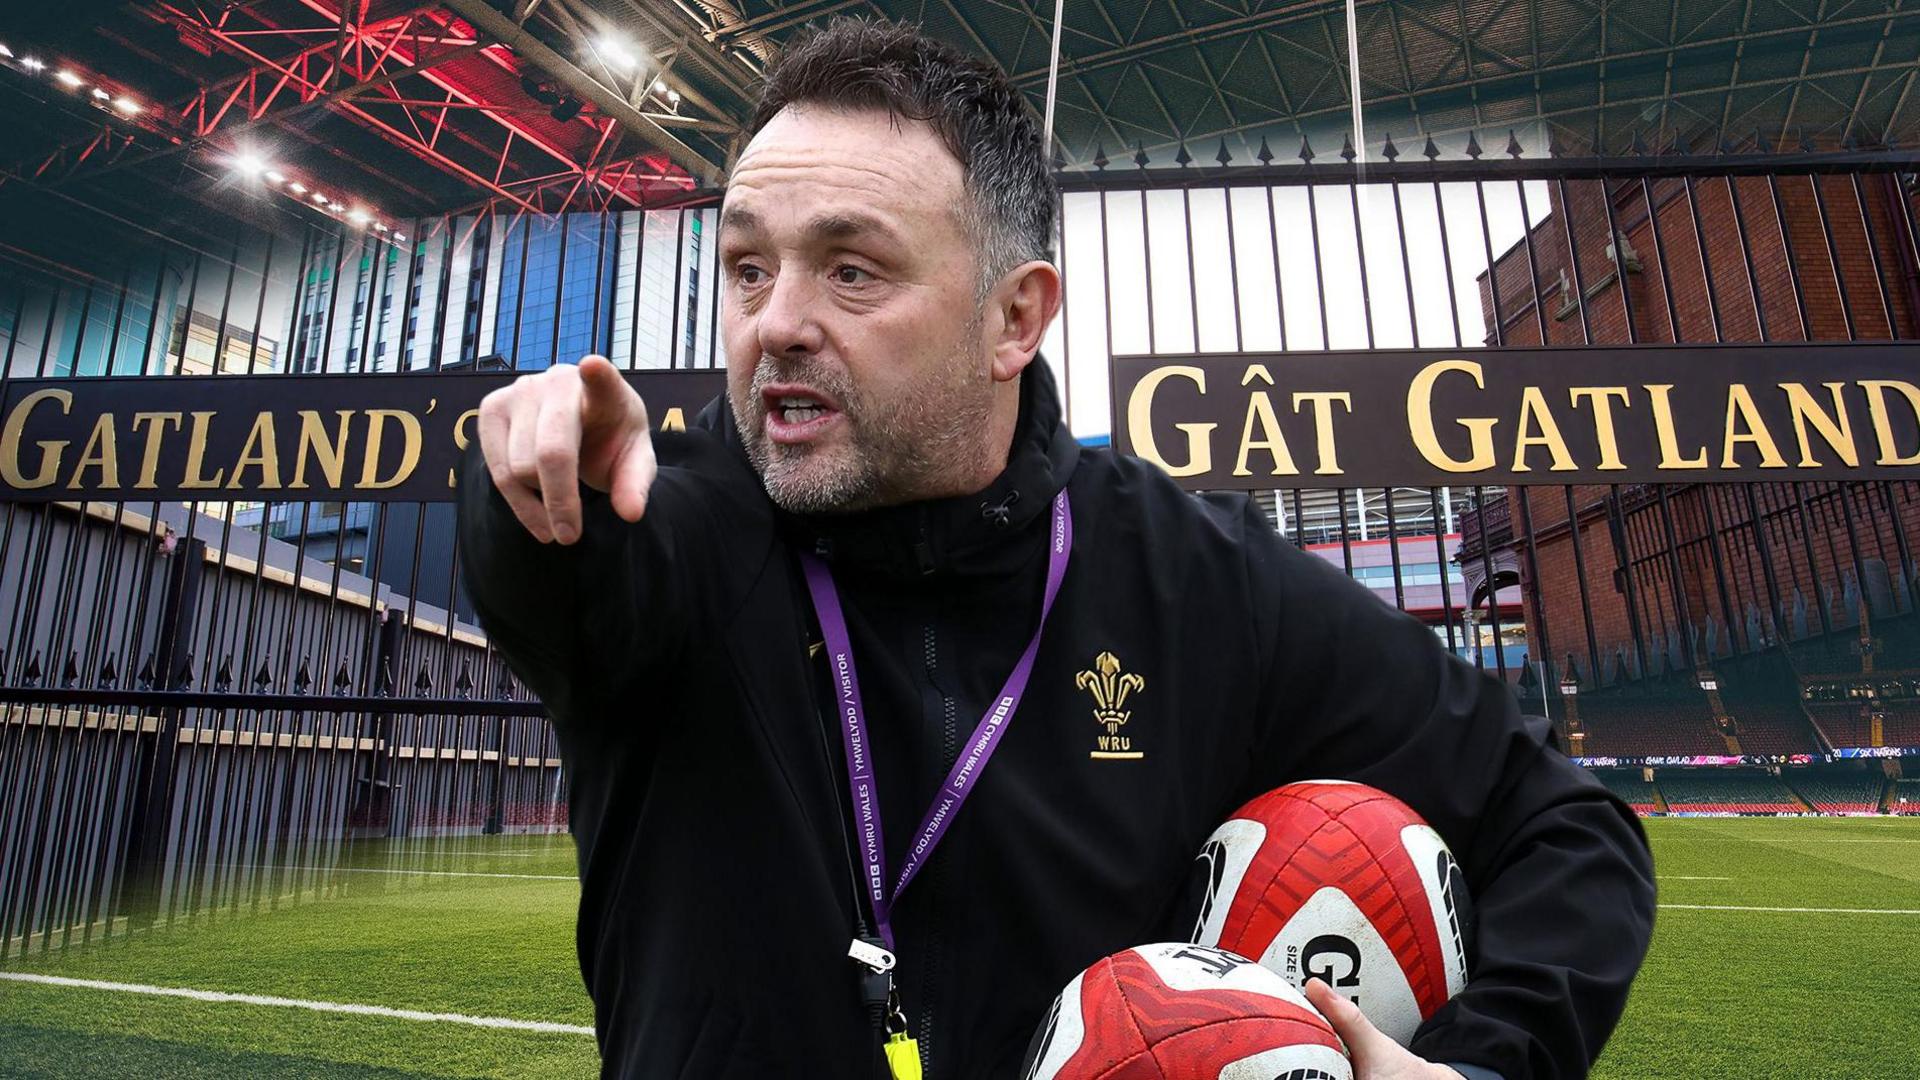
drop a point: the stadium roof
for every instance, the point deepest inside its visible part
(537, 104)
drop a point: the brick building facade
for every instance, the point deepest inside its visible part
(1652, 578)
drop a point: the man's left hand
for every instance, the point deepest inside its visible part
(1375, 1057)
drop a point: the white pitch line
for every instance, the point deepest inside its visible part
(298, 1003)
(414, 872)
(1691, 877)
(1797, 910)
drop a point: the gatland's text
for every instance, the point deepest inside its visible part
(266, 437)
(1524, 416)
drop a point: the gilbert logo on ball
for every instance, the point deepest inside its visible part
(1344, 883)
(1183, 1012)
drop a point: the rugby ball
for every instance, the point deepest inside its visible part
(1345, 883)
(1183, 1012)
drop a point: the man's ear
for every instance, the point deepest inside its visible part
(1026, 299)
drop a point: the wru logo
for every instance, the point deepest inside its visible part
(1110, 687)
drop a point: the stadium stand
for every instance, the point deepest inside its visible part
(1632, 790)
(1906, 796)
(1843, 722)
(1727, 791)
(1640, 725)
(1901, 726)
(1840, 791)
(1763, 697)
(1772, 727)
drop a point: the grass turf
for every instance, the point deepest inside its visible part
(1724, 995)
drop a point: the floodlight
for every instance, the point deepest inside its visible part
(68, 77)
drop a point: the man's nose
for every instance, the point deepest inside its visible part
(789, 323)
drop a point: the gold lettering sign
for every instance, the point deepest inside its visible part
(1523, 415)
(332, 437)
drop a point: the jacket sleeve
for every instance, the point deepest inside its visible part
(1559, 870)
(578, 622)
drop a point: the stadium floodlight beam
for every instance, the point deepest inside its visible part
(4, 51)
(69, 78)
(128, 106)
(358, 216)
(275, 176)
(618, 53)
(247, 164)
(101, 94)
(32, 63)
(297, 188)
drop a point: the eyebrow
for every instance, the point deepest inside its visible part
(834, 226)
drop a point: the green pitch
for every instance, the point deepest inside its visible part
(1726, 993)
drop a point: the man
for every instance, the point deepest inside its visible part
(777, 647)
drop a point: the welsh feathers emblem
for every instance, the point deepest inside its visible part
(1110, 688)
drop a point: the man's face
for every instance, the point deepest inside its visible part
(856, 363)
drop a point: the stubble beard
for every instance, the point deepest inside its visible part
(923, 444)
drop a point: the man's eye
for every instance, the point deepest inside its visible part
(849, 275)
(750, 275)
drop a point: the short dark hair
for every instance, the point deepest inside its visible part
(856, 63)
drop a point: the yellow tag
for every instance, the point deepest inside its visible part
(903, 1056)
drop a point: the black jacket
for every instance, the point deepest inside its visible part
(709, 798)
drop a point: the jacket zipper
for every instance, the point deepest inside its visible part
(949, 750)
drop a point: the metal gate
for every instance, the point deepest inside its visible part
(204, 704)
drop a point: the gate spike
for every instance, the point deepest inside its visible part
(1181, 157)
(1346, 149)
(1100, 161)
(32, 674)
(342, 681)
(1680, 145)
(71, 673)
(145, 677)
(107, 677)
(263, 677)
(1430, 151)
(183, 678)
(303, 679)
(1760, 143)
(1306, 149)
(1514, 150)
(223, 679)
(1223, 157)
(1806, 143)
(1554, 147)
(3, 667)
(503, 686)
(1388, 150)
(1473, 146)
(383, 686)
(1265, 156)
(1140, 154)
(423, 682)
(1636, 145)
(463, 686)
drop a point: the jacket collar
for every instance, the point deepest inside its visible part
(982, 533)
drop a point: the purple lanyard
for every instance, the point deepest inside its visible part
(853, 726)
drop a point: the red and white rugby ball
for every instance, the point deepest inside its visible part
(1183, 1012)
(1345, 883)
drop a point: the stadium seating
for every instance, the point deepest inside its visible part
(1910, 791)
(1726, 791)
(1902, 724)
(1842, 722)
(1637, 725)
(1630, 789)
(1840, 791)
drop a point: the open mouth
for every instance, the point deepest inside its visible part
(796, 414)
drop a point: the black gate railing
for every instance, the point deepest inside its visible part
(203, 704)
